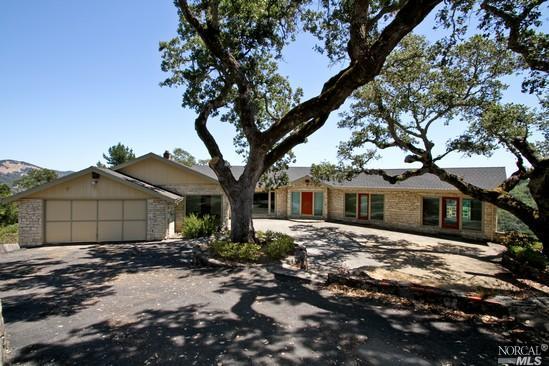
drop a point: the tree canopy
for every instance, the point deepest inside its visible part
(458, 83)
(116, 155)
(8, 211)
(226, 57)
(33, 178)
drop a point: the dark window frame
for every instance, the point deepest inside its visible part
(371, 212)
(423, 221)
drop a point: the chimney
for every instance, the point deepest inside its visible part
(167, 155)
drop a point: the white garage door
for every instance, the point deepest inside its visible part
(73, 221)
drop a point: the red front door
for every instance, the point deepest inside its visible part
(306, 203)
(450, 212)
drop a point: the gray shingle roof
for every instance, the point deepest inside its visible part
(484, 177)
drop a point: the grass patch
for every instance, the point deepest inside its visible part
(9, 234)
(271, 246)
(197, 227)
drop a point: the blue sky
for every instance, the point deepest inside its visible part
(77, 77)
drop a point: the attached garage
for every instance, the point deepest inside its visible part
(95, 220)
(95, 205)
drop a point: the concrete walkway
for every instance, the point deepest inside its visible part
(383, 254)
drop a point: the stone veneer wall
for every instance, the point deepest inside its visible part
(31, 224)
(281, 200)
(403, 210)
(160, 223)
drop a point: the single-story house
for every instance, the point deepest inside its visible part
(149, 197)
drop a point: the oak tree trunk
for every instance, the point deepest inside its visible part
(241, 200)
(539, 189)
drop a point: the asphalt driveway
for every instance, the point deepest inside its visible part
(383, 254)
(130, 304)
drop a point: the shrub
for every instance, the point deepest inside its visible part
(9, 234)
(247, 252)
(278, 245)
(516, 238)
(196, 227)
(528, 255)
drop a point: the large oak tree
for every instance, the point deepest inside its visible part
(422, 86)
(226, 57)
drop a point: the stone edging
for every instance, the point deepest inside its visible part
(433, 295)
(499, 306)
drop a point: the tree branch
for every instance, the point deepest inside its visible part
(516, 41)
(340, 86)
(217, 163)
(232, 68)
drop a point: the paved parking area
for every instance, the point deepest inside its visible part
(128, 304)
(384, 254)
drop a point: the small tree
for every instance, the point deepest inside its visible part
(8, 211)
(226, 56)
(184, 157)
(116, 155)
(35, 178)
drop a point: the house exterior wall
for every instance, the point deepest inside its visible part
(82, 188)
(161, 173)
(160, 219)
(31, 222)
(403, 210)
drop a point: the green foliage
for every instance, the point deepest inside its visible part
(271, 246)
(197, 227)
(8, 234)
(507, 222)
(246, 252)
(8, 211)
(117, 154)
(184, 157)
(525, 249)
(277, 245)
(517, 239)
(35, 178)
(529, 256)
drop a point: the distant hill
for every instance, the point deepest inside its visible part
(12, 170)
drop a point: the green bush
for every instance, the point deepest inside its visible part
(247, 252)
(9, 234)
(271, 245)
(516, 238)
(528, 255)
(197, 227)
(278, 245)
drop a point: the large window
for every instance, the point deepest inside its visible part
(471, 214)
(261, 203)
(377, 206)
(363, 206)
(319, 203)
(350, 204)
(431, 208)
(296, 202)
(273, 207)
(203, 205)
